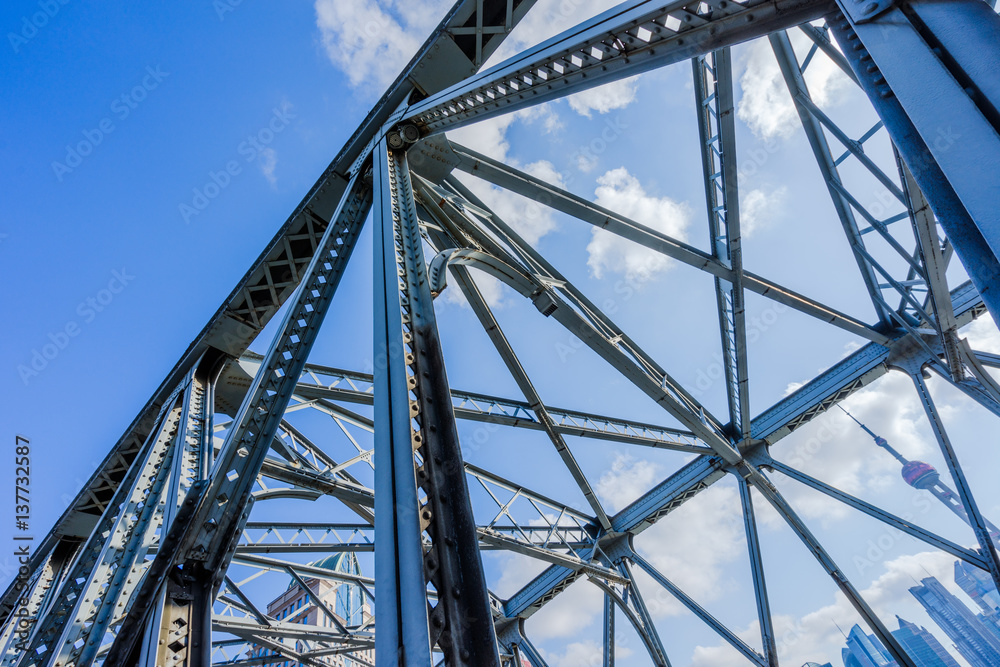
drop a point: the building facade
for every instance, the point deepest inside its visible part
(350, 606)
(977, 644)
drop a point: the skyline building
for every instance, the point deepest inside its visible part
(977, 644)
(922, 646)
(349, 604)
(864, 650)
(979, 587)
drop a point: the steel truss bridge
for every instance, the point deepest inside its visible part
(136, 571)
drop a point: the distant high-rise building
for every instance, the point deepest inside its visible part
(979, 586)
(977, 644)
(922, 646)
(349, 604)
(865, 651)
(816, 664)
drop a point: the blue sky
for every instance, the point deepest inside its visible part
(120, 120)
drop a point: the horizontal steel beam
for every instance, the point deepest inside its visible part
(324, 382)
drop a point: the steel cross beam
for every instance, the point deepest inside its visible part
(700, 612)
(503, 347)
(792, 74)
(713, 90)
(582, 318)
(90, 592)
(847, 376)
(353, 387)
(214, 527)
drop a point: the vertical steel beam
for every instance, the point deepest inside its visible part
(713, 89)
(767, 636)
(513, 364)
(950, 140)
(975, 517)
(421, 449)
(609, 631)
(403, 636)
(634, 607)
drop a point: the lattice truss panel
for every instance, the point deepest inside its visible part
(159, 561)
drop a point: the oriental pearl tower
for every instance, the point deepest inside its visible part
(923, 476)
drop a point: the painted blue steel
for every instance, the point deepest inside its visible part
(679, 487)
(609, 631)
(533, 77)
(949, 139)
(399, 570)
(757, 571)
(713, 88)
(792, 74)
(533, 655)
(975, 517)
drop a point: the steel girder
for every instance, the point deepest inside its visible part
(412, 402)
(713, 89)
(632, 38)
(170, 438)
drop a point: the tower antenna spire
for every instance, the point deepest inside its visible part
(881, 442)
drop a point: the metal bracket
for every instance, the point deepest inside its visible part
(863, 11)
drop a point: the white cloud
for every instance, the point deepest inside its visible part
(268, 163)
(627, 479)
(982, 334)
(615, 95)
(758, 209)
(766, 107)
(578, 654)
(621, 192)
(371, 40)
(584, 654)
(816, 637)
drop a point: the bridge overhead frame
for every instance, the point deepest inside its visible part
(138, 569)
